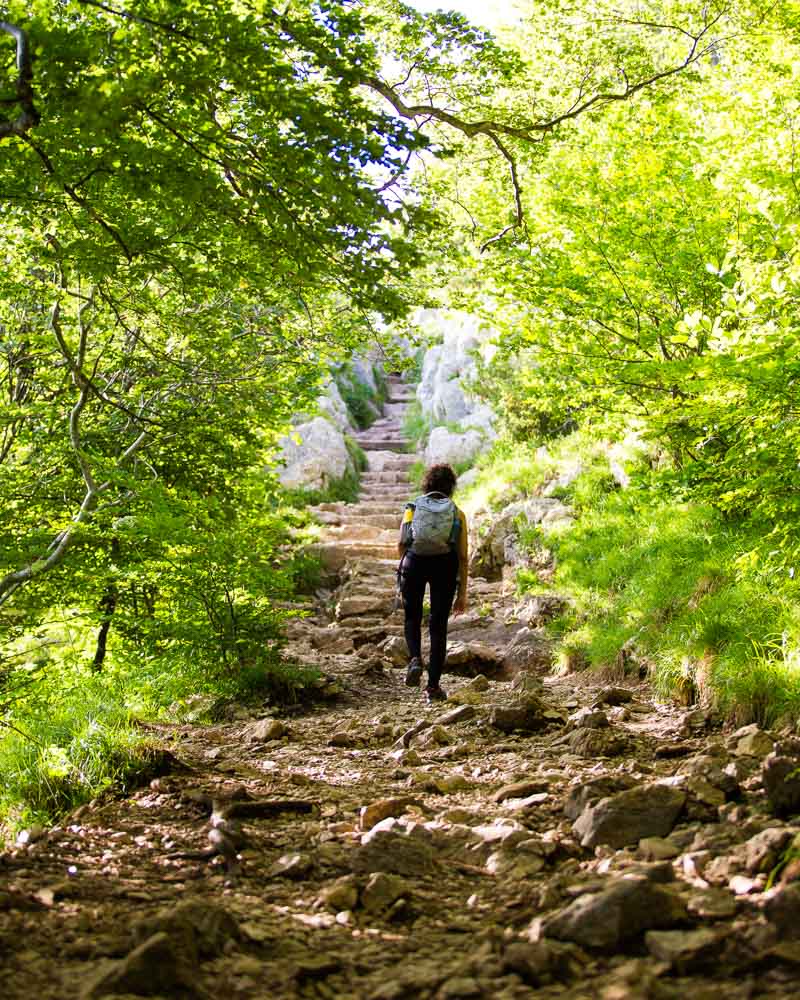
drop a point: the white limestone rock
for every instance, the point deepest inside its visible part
(448, 446)
(447, 367)
(333, 407)
(313, 455)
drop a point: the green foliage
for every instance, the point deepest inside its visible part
(697, 602)
(69, 749)
(363, 404)
(664, 581)
(416, 426)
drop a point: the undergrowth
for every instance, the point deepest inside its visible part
(698, 603)
(69, 733)
(416, 426)
(363, 404)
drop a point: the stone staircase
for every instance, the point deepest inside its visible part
(359, 541)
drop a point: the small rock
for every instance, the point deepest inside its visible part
(515, 863)
(782, 908)
(436, 736)
(396, 650)
(479, 683)
(342, 739)
(525, 684)
(520, 790)
(606, 919)
(201, 928)
(696, 722)
(380, 810)
(657, 849)
(686, 951)
(265, 730)
(668, 751)
(593, 743)
(589, 718)
(712, 904)
(743, 886)
(460, 714)
(473, 655)
(751, 741)
(387, 851)
(341, 895)
(614, 696)
(155, 966)
(588, 792)
(291, 866)
(527, 803)
(30, 835)
(763, 850)
(704, 792)
(694, 863)
(382, 891)
(627, 817)
(781, 779)
(528, 716)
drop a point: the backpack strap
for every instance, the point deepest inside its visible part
(455, 531)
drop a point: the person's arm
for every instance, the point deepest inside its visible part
(405, 531)
(460, 605)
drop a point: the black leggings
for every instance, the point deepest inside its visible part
(441, 573)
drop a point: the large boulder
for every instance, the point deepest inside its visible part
(448, 366)
(528, 650)
(313, 455)
(497, 547)
(333, 407)
(453, 447)
(364, 373)
(482, 418)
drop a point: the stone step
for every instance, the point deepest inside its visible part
(393, 478)
(375, 567)
(386, 491)
(378, 444)
(389, 461)
(335, 555)
(383, 435)
(359, 533)
(349, 607)
(399, 500)
(369, 507)
(388, 522)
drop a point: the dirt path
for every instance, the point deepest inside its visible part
(532, 837)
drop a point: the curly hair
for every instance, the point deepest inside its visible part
(439, 479)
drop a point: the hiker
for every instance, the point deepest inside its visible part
(433, 552)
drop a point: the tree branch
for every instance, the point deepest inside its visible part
(519, 211)
(28, 116)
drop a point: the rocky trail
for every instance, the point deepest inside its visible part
(534, 836)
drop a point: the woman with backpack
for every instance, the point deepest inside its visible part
(433, 553)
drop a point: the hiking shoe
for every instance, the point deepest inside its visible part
(413, 673)
(434, 694)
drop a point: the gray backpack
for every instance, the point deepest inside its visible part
(434, 526)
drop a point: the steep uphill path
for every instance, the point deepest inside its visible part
(533, 837)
